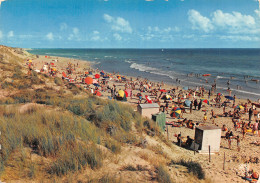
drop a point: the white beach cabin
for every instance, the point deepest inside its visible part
(206, 136)
(148, 109)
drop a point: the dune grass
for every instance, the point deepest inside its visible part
(193, 167)
(163, 175)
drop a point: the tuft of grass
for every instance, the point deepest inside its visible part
(76, 159)
(58, 81)
(163, 175)
(132, 168)
(105, 179)
(193, 167)
(113, 145)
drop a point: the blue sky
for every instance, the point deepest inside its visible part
(130, 23)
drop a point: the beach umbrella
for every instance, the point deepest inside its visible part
(220, 94)
(95, 84)
(118, 77)
(126, 94)
(205, 101)
(187, 103)
(176, 111)
(166, 97)
(97, 76)
(97, 93)
(256, 105)
(163, 90)
(240, 107)
(64, 75)
(121, 93)
(129, 92)
(52, 63)
(88, 80)
(229, 97)
(149, 100)
(185, 87)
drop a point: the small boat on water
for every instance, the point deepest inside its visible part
(255, 80)
(206, 75)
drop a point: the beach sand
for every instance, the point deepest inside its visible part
(235, 161)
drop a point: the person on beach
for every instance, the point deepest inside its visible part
(205, 117)
(238, 143)
(191, 107)
(200, 104)
(250, 113)
(167, 106)
(195, 104)
(255, 128)
(212, 114)
(244, 131)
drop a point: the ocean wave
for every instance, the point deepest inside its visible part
(161, 73)
(142, 67)
(128, 61)
(222, 77)
(108, 56)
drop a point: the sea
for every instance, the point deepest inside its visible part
(182, 67)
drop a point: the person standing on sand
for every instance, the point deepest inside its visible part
(195, 104)
(200, 104)
(250, 113)
(238, 143)
(191, 107)
(244, 130)
(205, 117)
(255, 128)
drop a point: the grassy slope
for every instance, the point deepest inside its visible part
(62, 133)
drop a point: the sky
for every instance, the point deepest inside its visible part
(130, 23)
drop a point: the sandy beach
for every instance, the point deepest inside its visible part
(235, 160)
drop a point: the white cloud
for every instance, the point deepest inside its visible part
(74, 35)
(258, 12)
(118, 24)
(117, 37)
(234, 19)
(96, 36)
(63, 26)
(230, 23)
(10, 34)
(158, 30)
(188, 36)
(50, 36)
(75, 31)
(108, 18)
(95, 32)
(239, 38)
(199, 22)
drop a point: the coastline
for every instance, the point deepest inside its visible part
(132, 63)
(89, 65)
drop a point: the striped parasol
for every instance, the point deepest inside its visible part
(176, 111)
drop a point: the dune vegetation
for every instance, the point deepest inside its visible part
(58, 132)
